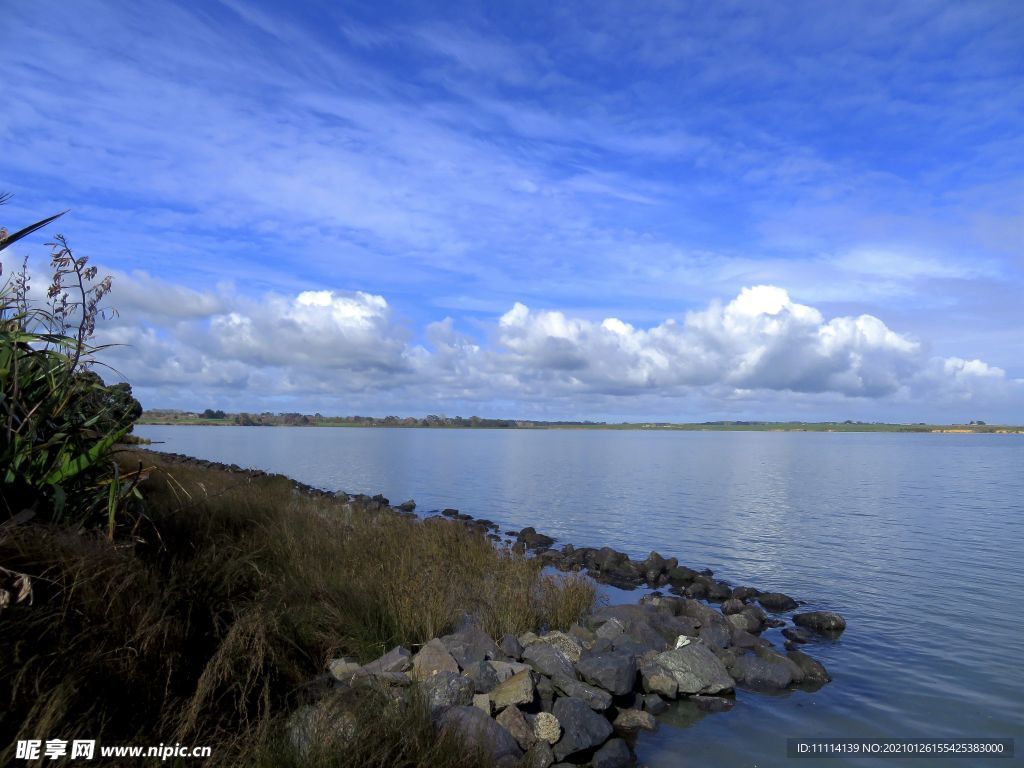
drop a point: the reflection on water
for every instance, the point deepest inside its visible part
(916, 539)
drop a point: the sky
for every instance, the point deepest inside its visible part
(611, 211)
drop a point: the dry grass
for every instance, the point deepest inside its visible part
(209, 630)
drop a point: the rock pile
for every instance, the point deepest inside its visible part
(582, 696)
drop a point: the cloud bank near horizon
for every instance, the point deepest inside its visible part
(323, 350)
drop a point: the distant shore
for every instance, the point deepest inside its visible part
(185, 418)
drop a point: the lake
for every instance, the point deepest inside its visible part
(917, 539)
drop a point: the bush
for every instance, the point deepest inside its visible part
(58, 422)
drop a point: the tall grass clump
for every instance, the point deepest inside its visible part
(214, 627)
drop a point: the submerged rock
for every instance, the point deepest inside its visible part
(821, 621)
(776, 601)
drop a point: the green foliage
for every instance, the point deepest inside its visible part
(58, 422)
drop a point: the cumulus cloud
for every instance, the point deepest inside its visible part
(762, 339)
(329, 343)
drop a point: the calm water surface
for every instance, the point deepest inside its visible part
(916, 539)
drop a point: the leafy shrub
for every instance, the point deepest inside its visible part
(58, 422)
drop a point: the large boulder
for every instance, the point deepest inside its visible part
(582, 728)
(548, 660)
(432, 659)
(825, 622)
(695, 669)
(596, 699)
(478, 731)
(470, 645)
(518, 689)
(614, 672)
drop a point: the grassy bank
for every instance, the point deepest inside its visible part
(211, 624)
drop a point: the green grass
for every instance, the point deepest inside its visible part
(208, 627)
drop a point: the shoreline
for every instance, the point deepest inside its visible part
(694, 641)
(813, 427)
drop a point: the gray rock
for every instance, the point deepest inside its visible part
(634, 720)
(398, 659)
(470, 645)
(505, 669)
(538, 756)
(611, 629)
(596, 699)
(483, 702)
(407, 506)
(614, 754)
(776, 601)
(696, 669)
(659, 680)
(716, 635)
(614, 672)
(548, 660)
(518, 689)
(431, 659)
(821, 621)
(798, 635)
(447, 689)
(565, 643)
(733, 605)
(582, 728)
(511, 647)
(478, 731)
(545, 692)
(512, 720)
(485, 678)
(814, 671)
(653, 703)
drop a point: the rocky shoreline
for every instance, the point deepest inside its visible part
(581, 697)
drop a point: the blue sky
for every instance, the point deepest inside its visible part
(601, 210)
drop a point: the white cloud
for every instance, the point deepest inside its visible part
(333, 345)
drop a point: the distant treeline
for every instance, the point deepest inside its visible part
(266, 419)
(211, 416)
